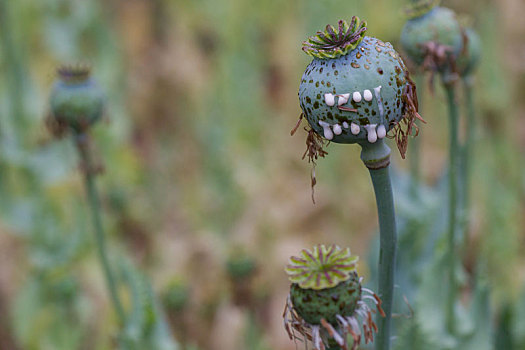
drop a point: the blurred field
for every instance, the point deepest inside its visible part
(200, 164)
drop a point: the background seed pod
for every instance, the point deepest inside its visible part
(440, 26)
(76, 100)
(355, 98)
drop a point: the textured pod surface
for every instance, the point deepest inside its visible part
(471, 56)
(356, 97)
(439, 25)
(77, 104)
(313, 305)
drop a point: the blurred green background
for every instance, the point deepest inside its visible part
(200, 165)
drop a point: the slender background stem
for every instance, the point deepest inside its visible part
(94, 202)
(467, 155)
(14, 74)
(453, 197)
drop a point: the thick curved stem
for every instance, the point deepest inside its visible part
(377, 158)
(94, 202)
(453, 197)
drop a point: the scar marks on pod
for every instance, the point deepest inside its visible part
(374, 131)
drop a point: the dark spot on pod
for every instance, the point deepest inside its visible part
(367, 66)
(380, 43)
(321, 70)
(336, 73)
(374, 112)
(322, 82)
(358, 55)
(316, 104)
(364, 121)
(330, 115)
(303, 81)
(398, 70)
(380, 70)
(355, 65)
(316, 84)
(318, 96)
(378, 49)
(367, 110)
(333, 65)
(398, 103)
(309, 110)
(335, 297)
(308, 99)
(327, 74)
(328, 84)
(362, 49)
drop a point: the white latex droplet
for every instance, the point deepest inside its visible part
(328, 134)
(345, 125)
(356, 96)
(343, 99)
(381, 131)
(354, 128)
(367, 95)
(372, 135)
(329, 99)
(337, 129)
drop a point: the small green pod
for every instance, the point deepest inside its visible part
(433, 32)
(76, 100)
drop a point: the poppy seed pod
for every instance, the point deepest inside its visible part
(357, 88)
(76, 100)
(326, 298)
(471, 55)
(432, 37)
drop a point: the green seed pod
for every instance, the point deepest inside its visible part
(471, 55)
(326, 297)
(432, 37)
(176, 295)
(313, 305)
(357, 87)
(240, 265)
(76, 100)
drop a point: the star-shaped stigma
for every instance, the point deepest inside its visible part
(333, 43)
(322, 268)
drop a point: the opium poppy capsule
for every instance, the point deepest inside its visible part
(357, 87)
(77, 102)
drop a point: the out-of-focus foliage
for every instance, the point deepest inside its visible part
(201, 98)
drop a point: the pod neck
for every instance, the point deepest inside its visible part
(375, 155)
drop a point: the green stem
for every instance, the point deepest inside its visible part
(94, 202)
(376, 157)
(467, 153)
(13, 71)
(453, 197)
